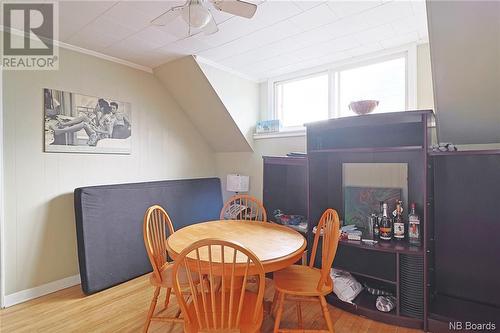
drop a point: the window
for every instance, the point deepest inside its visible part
(327, 94)
(302, 100)
(383, 81)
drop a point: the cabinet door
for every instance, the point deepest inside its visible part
(467, 226)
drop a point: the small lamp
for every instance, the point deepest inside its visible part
(237, 183)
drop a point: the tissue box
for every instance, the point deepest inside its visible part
(267, 126)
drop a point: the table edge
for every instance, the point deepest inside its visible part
(292, 257)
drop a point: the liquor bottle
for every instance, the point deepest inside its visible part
(385, 224)
(414, 235)
(399, 224)
(381, 210)
(376, 226)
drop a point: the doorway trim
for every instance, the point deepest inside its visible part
(2, 206)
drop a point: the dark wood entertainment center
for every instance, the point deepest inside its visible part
(428, 281)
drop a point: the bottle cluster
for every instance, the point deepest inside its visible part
(388, 226)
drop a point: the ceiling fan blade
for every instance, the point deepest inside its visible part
(211, 27)
(236, 7)
(168, 16)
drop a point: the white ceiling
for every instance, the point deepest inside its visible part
(283, 36)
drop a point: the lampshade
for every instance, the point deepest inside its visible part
(237, 183)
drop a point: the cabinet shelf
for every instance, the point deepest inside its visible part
(364, 305)
(368, 149)
(297, 228)
(464, 152)
(391, 247)
(367, 275)
(285, 160)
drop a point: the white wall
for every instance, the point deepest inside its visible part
(191, 88)
(250, 164)
(425, 97)
(40, 236)
(465, 53)
(240, 96)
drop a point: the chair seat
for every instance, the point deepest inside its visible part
(301, 280)
(166, 277)
(247, 325)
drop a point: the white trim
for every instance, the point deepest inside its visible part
(2, 215)
(333, 88)
(411, 79)
(281, 134)
(306, 76)
(28, 294)
(91, 53)
(103, 56)
(214, 64)
(271, 110)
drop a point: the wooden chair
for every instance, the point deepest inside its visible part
(157, 227)
(307, 283)
(255, 211)
(220, 305)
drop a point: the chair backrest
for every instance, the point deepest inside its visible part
(233, 209)
(157, 227)
(329, 228)
(218, 305)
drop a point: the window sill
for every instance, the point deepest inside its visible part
(281, 134)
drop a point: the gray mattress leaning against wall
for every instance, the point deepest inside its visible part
(109, 222)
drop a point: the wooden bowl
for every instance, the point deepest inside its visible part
(363, 107)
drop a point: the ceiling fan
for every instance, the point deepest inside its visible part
(198, 16)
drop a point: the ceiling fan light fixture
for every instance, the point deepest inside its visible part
(196, 15)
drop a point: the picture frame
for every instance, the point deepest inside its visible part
(78, 123)
(361, 202)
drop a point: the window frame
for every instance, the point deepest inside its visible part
(409, 52)
(277, 113)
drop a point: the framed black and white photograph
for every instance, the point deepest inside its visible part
(77, 123)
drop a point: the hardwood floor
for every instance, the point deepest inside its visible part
(123, 309)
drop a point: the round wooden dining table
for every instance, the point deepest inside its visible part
(276, 246)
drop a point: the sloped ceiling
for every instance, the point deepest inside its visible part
(189, 86)
(239, 95)
(465, 54)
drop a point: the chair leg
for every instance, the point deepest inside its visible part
(167, 297)
(299, 315)
(179, 310)
(275, 302)
(277, 320)
(326, 314)
(151, 309)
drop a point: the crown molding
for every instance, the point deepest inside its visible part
(96, 54)
(100, 55)
(224, 68)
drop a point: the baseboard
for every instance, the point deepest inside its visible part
(28, 294)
